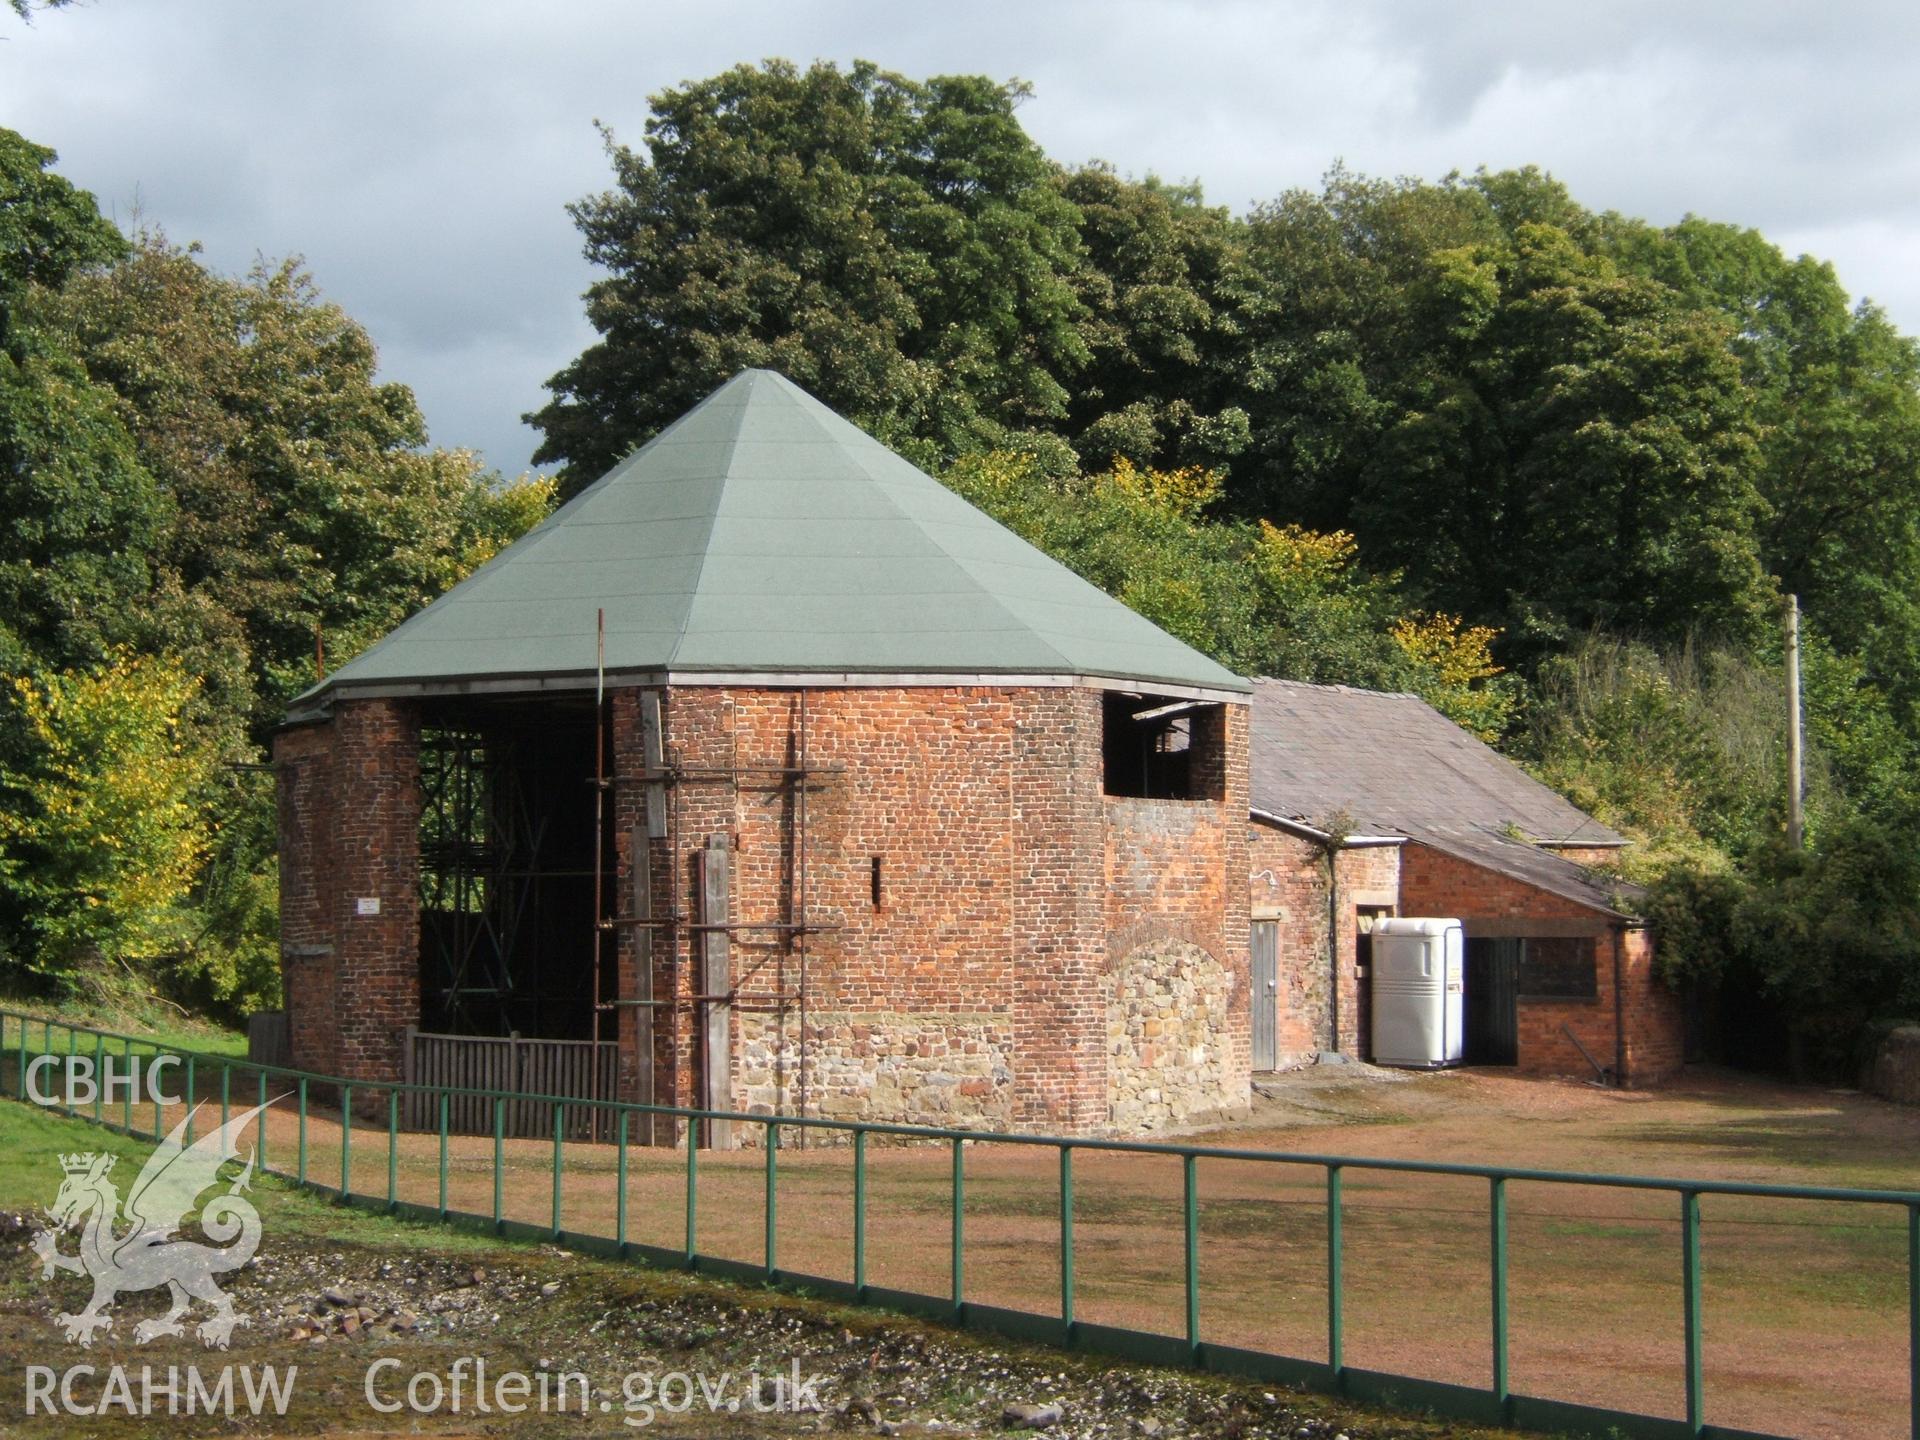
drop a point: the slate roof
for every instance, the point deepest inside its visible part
(761, 534)
(1392, 765)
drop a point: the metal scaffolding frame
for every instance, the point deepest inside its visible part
(787, 996)
(498, 872)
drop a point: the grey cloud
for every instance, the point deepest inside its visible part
(420, 156)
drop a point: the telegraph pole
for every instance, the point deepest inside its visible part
(1796, 766)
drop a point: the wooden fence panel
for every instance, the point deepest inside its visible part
(572, 1069)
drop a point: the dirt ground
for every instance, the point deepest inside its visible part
(337, 1299)
(1805, 1304)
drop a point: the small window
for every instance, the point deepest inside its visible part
(1558, 968)
(1155, 747)
(874, 882)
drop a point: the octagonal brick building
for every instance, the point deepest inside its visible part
(768, 775)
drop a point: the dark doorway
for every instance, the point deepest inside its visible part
(1364, 916)
(506, 868)
(1493, 990)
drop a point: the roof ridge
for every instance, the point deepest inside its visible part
(957, 561)
(1339, 688)
(752, 378)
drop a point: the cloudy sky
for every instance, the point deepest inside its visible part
(420, 155)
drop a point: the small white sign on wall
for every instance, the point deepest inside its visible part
(367, 905)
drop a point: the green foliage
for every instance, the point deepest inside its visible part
(1263, 600)
(1682, 751)
(103, 830)
(1543, 441)
(897, 247)
(198, 474)
(48, 229)
(304, 496)
(1157, 335)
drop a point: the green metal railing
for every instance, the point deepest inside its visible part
(1496, 1403)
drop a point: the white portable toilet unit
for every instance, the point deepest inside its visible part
(1419, 992)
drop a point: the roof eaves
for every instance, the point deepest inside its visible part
(1574, 882)
(1315, 833)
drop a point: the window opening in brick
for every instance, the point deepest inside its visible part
(874, 883)
(1558, 968)
(1159, 748)
(506, 868)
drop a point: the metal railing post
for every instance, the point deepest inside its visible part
(559, 1163)
(1499, 1284)
(393, 1149)
(444, 1101)
(1690, 1286)
(1913, 1320)
(302, 1171)
(693, 1190)
(1066, 1238)
(189, 1097)
(860, 1214)
(260, 1119)
(346, 1141)
(1190, 1226)
(226, 1093)
(771, 1243)
(959, 1277)
(499, 1160)
(620, 1180)
(1336, 1319)
(99, 1075)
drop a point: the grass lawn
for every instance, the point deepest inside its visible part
(128, 1012)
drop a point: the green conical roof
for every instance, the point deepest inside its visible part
(761, 535)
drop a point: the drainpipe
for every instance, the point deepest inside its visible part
(1332, 847)
(1619, 1013)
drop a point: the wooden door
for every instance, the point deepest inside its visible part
(1265, 1002)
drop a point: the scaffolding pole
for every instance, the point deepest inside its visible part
(666, 780)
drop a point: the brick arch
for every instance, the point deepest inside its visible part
(1160, 930)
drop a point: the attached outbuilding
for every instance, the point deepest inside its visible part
(1367, 804)
(766, 775)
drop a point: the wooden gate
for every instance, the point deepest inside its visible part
(1266, 994)
(568, 1068)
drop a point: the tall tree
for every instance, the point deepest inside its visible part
(1541, 440)
(1158, 264)
(303, 491)
(81, 514)
(899, 248)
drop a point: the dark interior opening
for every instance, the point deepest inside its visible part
(506, 868)
(1157, 747)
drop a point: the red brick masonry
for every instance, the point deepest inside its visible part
(1042, 955)
(1289, 884)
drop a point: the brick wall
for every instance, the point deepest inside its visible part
(1288, 884)
(1655, 1024)
(978, 989)
(1435, 883)
(349, 831)
(1177, 985)
(1022, 915)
